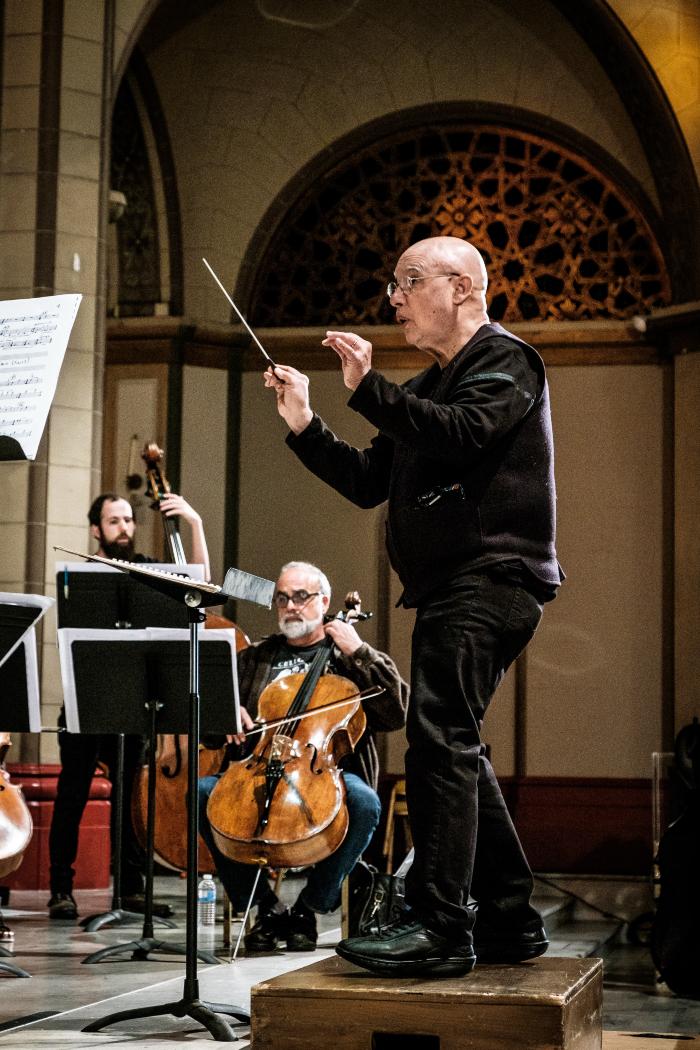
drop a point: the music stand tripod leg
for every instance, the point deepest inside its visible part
(147, 942)
(190, 1005)
(116, 914)
(9, 967)
(13, 969)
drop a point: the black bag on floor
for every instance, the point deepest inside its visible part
(675, 932)
(376, 899)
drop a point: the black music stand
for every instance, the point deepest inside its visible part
(19, 683)
(101, 597)
(195, 597)
(142, 678)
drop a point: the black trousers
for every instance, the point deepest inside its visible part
(465, 638)
(79, 755)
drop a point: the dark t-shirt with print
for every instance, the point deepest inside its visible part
(296, 659)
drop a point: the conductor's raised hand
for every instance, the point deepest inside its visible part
(292, 390)
(355, 356)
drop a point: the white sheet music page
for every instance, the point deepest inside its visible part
(33, 339)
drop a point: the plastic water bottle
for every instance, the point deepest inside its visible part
(206, 901)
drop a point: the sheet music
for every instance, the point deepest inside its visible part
(32, 670)
(38, 603)
(140, 568)
(195, 571)
(33, 339)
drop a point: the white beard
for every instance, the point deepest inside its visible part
(295, 629)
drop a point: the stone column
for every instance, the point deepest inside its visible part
(55, 99)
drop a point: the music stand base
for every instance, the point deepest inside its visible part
(117, 916)
(144, 945)
(205, 1014)
(12, 968)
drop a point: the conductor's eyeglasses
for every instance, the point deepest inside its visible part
(298, 598)
(406, 283)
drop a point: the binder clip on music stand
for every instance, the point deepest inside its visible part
(196, 596)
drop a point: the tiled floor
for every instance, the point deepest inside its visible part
(63, 995)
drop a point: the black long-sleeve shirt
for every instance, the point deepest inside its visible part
(464, 457)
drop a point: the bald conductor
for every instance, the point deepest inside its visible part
(463, 454)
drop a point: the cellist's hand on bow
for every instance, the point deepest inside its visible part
(292, 389)
(344, 636)
(247, 723)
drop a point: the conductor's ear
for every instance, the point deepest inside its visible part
(463, 287)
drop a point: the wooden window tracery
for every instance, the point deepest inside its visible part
(561, 240)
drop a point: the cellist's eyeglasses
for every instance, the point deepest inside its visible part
(298, 598)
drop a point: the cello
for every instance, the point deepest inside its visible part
(284, 805)
(170, 832)
(15, 819)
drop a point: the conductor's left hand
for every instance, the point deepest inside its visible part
(355, 355)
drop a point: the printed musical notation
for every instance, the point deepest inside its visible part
(34, 335)
(37, 340)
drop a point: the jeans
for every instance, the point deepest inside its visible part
(465, 638)
(322, 890)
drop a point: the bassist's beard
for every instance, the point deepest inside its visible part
(124, 550)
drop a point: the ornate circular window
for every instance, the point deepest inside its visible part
(560, 239)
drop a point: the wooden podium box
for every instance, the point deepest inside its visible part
(546, 1004)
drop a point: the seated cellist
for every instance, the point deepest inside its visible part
(302, 598)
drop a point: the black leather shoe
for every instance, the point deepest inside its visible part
(406, 949)
(509, 946)
(301, 929)
(137, 902)
(268, 932)
(62, 906)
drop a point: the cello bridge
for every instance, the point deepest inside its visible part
(283, 748)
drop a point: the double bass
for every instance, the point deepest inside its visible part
(170, 832)
(284, 805)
